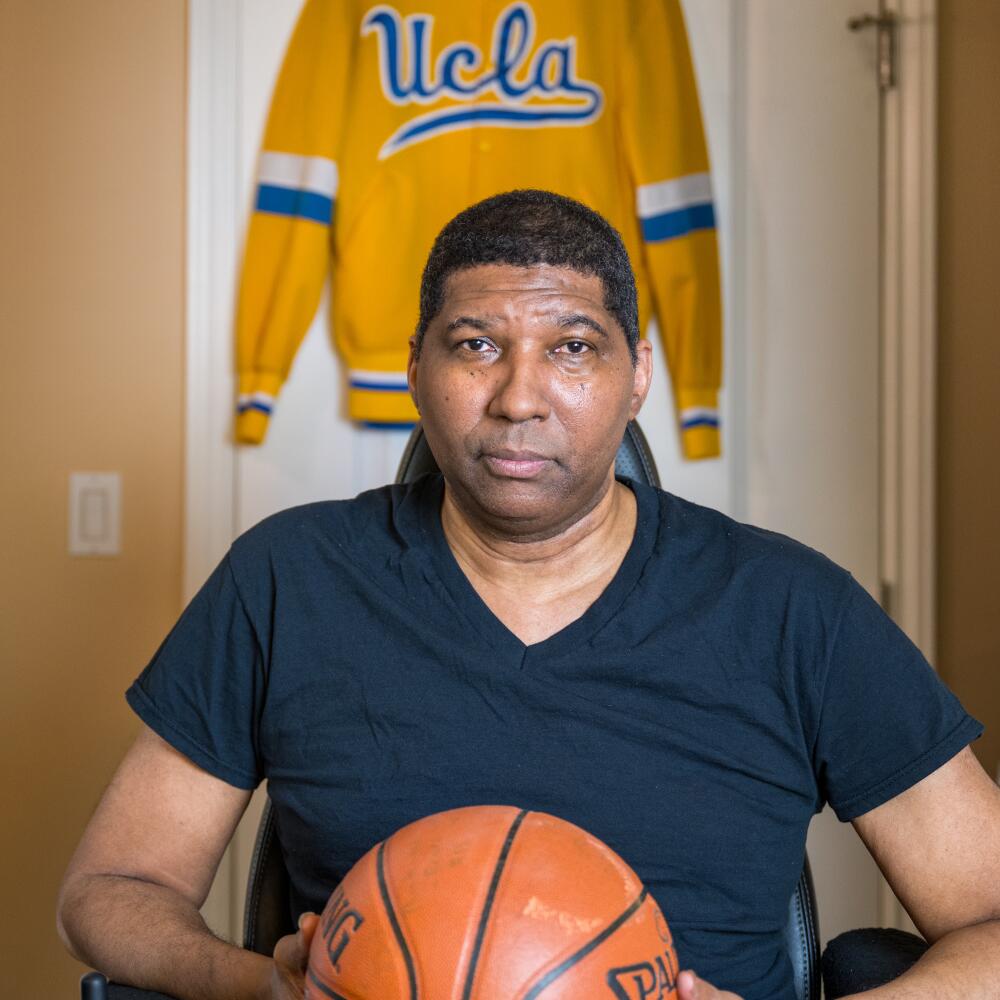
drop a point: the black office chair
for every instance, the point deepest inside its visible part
(853, 962)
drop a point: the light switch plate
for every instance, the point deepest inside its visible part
(95, 501)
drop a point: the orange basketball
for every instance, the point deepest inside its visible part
(491, 903)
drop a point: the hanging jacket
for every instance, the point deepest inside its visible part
(387, 121)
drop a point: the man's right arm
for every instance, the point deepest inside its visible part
(129, 903)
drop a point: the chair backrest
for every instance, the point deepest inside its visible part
(268, 916)
(802, 937)
(267, 913)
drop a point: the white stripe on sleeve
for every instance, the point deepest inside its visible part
(304, 173)
(699, 414)
(669, 196)
(385, 378)
(246, 398)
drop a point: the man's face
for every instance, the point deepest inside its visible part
(524, 385)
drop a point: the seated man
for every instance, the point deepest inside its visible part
(525, 629)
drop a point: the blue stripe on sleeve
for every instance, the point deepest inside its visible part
(679, 222)
(699, 422)
(291, 201)
(360, 383)
(254, 404)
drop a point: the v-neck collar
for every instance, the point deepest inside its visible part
(493, 632)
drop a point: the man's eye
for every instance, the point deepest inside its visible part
(574, 347)
(477, 345)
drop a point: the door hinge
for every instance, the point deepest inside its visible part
(886, 25)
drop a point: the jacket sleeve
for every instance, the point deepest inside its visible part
(288, 246)
(665, 146)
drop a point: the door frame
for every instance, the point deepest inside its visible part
(909, 325)
(908, 335)
(908, 460)
(213, 215)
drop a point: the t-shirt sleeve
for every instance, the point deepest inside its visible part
(887, 720)
(202, 692)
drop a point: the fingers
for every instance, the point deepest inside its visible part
(690, 987)
(308, 922)
(292, 951)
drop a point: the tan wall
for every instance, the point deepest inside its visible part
(91, 319)
(969, 361)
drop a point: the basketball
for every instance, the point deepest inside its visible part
(491, 903)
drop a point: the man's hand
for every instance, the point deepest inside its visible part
(291, 956)
(690, 987)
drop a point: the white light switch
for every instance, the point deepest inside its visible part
(95, 501)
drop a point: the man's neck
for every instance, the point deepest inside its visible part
(538, 587)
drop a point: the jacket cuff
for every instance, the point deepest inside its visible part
(380, 399)
(254, 404)
(698, 415)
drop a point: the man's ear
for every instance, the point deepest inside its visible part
(642, 376)
(411, 371)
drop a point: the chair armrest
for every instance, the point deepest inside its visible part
(95, 986)
(865, 959)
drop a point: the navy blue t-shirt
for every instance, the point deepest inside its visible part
(726, 684)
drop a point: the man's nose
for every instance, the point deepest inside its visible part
(521, 389)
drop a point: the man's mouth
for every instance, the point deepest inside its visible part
(515, 464)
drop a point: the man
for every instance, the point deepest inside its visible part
(529, 630)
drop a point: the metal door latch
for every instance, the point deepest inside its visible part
(887, 25)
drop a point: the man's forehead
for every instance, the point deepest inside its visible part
(496, 283)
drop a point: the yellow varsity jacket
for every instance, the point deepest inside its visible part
(387, 121)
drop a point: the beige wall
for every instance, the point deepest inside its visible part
(91, 313)
(969, 360)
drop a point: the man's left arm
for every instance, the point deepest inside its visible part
(938, 845)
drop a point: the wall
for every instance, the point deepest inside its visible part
(969, 362)
(91, 315)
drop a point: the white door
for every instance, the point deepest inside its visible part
(791, 111)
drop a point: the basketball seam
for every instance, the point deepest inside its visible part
(319, 984)
(550, 977)
(488, 904)
(393, 920)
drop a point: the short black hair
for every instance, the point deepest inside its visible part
(525, 228)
